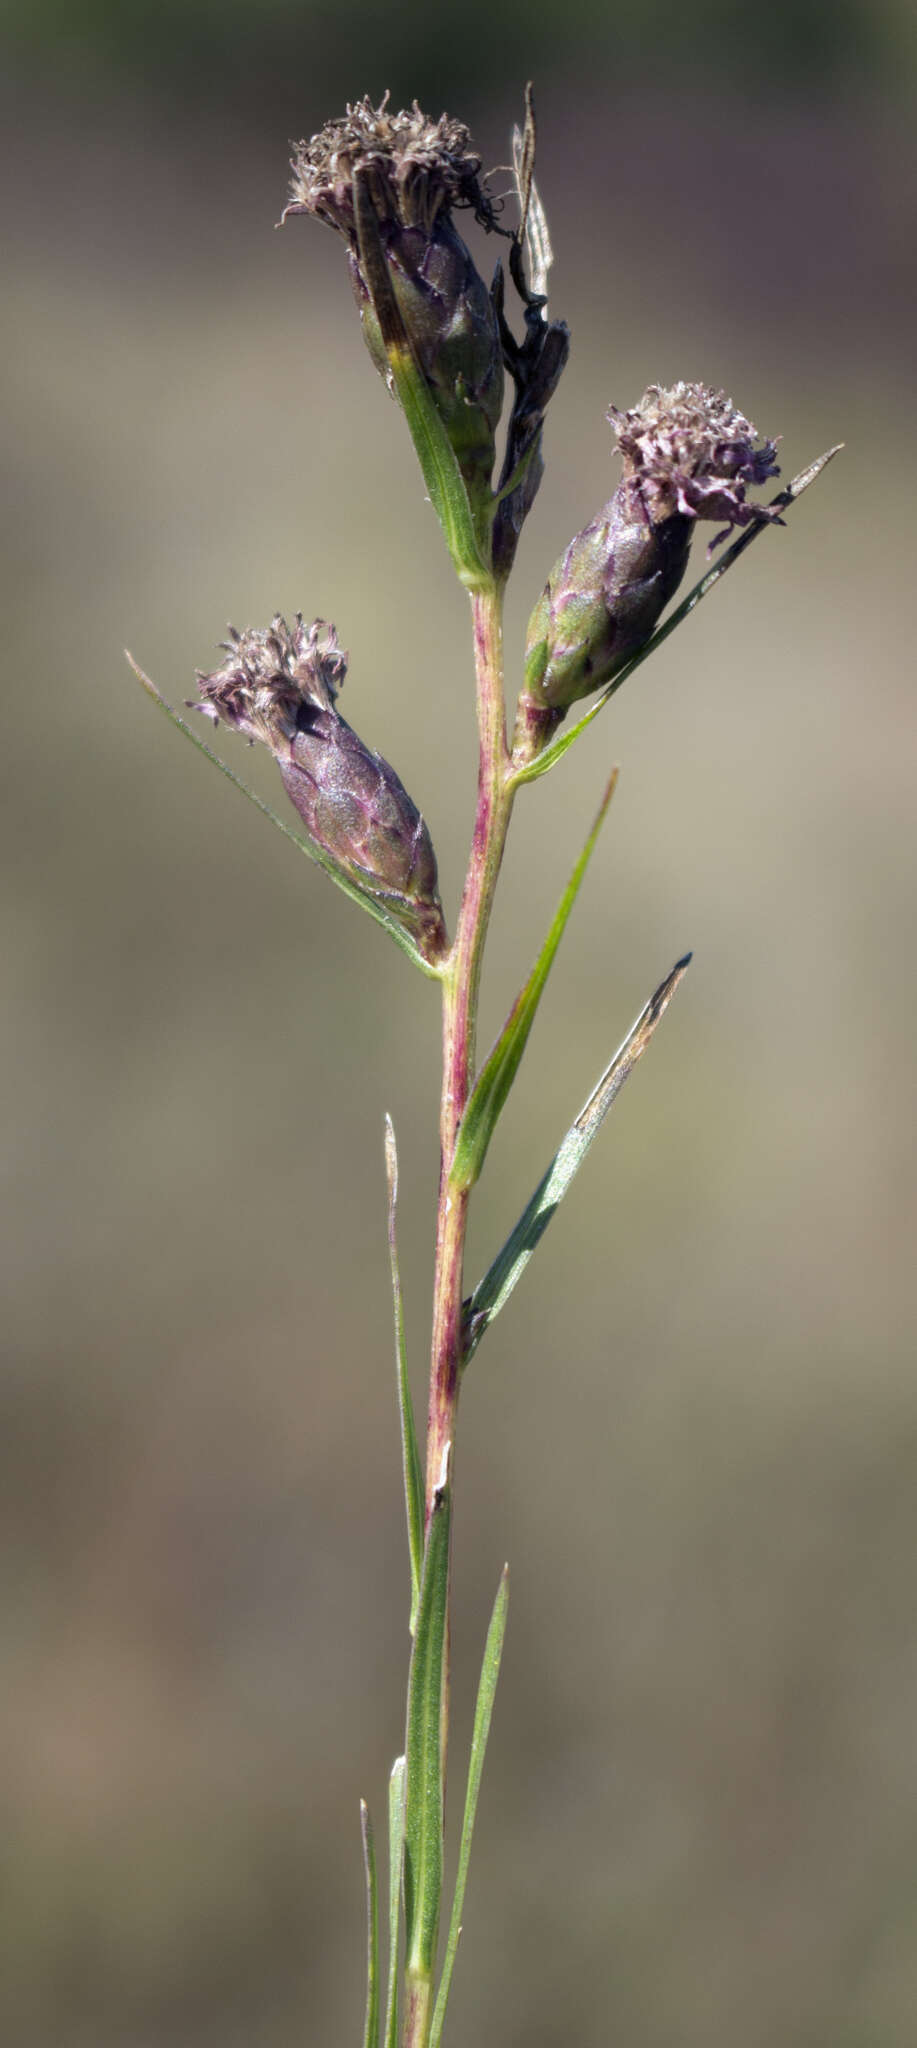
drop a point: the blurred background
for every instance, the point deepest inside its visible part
(694, 1431)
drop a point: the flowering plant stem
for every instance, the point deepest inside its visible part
(389, 184)
(461, 983)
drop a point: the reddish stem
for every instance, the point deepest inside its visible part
(460, 1002)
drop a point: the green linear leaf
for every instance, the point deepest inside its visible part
(371, 2028)
(435, 453)
(314, 853)
(784, 499)
(499, 1071)
(518, 475)
(490, 1672)
(395, 1867)
(410, 1455)
(494, 1290)
(423, 1815)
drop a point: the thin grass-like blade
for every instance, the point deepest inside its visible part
(371, 2028)
(533, 226)
(783, 500)
(435, 452)
(499, 1071)
(315, 853)
(410, 1455)
(423, 1811)
(494, 1290)
(490, 1672)
(395, 1867)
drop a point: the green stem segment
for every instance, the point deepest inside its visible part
(461, 983)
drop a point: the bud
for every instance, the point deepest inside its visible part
(687, 455)
(280, 687)
(415, 172)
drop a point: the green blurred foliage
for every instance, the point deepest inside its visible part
(268, 54)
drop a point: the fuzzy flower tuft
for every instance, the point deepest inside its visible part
(690, 450)
(268, 678)
(419, 168)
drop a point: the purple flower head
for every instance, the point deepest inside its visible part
(270, 677)
(690, 450)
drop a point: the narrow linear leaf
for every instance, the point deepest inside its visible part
(371, 2028)
(517, 475)
(423, 1812)
(410, 1455)
(499, 1071)
(442, 477)
(490, 1672)
(494, 1290)
(435, 452)
(395, 1866)
(314, 853)
(784, 499)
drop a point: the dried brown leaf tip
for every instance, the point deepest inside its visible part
(280, 686)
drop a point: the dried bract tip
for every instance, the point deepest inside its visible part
(280, 687)
(688, 454)
(418, 168)
(690, 450)
(536, 363)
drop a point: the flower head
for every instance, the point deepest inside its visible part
(690, 450)
(687, 454)
(418, 169)
(390, 184)
(280, 686)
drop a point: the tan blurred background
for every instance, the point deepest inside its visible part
(694, 1432)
